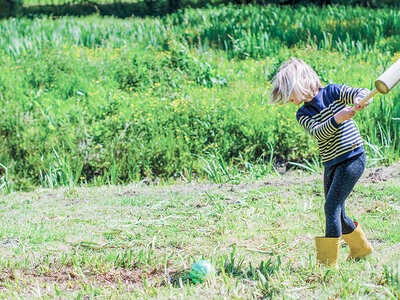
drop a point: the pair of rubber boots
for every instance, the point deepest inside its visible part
(328, 248)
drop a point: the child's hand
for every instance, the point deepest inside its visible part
(357, 106)
(345, 114)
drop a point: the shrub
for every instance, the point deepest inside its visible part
(9, 8)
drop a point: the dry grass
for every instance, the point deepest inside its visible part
(141, 240)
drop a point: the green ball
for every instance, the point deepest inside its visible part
(201, 270)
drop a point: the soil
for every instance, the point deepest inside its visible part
(371, 175)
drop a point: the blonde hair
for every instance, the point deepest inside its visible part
(295, 78)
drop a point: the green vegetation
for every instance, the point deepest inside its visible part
(9, 8)
(157, 6)
(140, 241)
(97, 100)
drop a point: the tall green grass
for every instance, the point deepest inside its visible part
(242, 31)
(122, 100)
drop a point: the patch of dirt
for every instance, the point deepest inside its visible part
(290, 178)
(381, 173)
(371, 175)
(6, 275)
(10, 243)
(73, 278)
(211, 188)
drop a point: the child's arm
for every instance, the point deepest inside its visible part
(347, 94)
(345, 114)
(320, 131)
(323, 131)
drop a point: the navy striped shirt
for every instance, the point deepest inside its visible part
(336, 142)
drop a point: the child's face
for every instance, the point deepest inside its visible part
(293, 99)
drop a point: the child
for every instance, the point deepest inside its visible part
(326, 117)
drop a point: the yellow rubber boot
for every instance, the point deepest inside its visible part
(327, 250)
(358, 244)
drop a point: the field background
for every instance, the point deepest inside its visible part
(95, 100)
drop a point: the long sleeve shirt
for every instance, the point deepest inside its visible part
(336, 142)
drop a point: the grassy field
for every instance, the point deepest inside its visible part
(141, 240)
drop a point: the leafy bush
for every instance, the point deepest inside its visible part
(96, 100)
(9, 8)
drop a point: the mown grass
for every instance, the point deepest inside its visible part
(140, 241)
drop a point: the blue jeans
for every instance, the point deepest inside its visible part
(339, 181)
